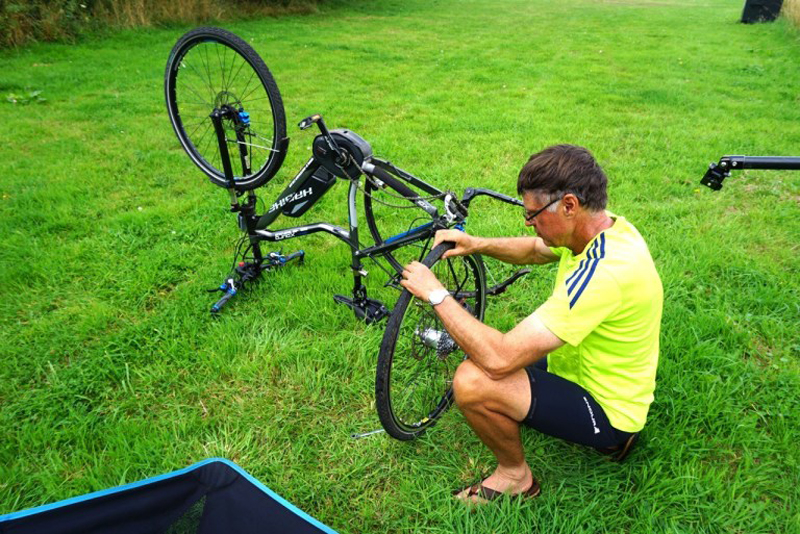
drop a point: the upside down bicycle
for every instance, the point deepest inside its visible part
(227, 113)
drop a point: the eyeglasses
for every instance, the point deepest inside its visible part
(530, 217)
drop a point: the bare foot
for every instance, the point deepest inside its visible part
(502, 481)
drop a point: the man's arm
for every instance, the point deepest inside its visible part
(515, 250)
(497, 354)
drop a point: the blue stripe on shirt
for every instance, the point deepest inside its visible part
(593, 262)
(582, 270)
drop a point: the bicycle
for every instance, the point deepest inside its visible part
(227, 112)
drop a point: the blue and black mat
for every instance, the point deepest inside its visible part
(212, 496)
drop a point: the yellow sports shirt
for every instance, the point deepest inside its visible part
(606, 307)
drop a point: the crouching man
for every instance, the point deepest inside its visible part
(582, 366)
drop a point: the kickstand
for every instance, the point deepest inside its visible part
(502, 286)
(356, 435)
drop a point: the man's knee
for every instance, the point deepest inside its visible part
(469, 383)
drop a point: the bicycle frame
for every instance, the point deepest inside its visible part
(328, 164)
(257, 228)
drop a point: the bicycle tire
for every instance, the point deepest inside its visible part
(211, 68)
(394, 221)
(415, 342)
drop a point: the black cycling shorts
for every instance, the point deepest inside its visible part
(565, 410)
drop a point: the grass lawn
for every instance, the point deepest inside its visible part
(112, 370)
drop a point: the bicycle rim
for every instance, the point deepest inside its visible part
(418, 358)
(212, 69)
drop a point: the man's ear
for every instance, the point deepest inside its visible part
(571, 204)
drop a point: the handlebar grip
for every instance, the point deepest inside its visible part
(508, 199)
(394, 183)
(221, 302)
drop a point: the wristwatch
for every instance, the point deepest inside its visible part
(436, 296)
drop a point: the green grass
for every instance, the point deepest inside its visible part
(111, 369)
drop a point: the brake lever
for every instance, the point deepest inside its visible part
(453, 209)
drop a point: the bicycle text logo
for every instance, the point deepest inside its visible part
(291, 198)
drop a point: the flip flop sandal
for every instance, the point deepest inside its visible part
(488, 494)
(620, 452)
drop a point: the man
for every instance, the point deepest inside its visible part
(582, 366)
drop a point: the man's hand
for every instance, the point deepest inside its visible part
(419, 280)
(465, 243)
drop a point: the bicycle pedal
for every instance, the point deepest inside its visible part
(368, 310)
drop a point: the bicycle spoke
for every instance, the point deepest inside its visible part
(243, 63)
(268, 140)
(256, 99)
(208, 72)
(208, 127)
(253, 90)
(230, 72)
(191, 103)
(209, 69)
(190, 89)
(200, 76)
(236, 141)
(195, 125)
(247, 85)
(222, 66)
(203, 136)
(208, 144)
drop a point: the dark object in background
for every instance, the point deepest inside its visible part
(717, 172)
(209, 497)
(761, 10)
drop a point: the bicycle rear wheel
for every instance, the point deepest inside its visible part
(389, 215)
(212, 69)
(417, 360)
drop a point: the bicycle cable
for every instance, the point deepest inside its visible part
(399, 197)
(236, 253)
(440, 196)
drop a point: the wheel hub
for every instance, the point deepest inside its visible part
(439, 340)
(226, 99)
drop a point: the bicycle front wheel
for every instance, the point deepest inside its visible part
(210, 69)
(418, 358)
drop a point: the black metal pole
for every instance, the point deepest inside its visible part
(761, 162)
(717, 172)
(216, 119)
